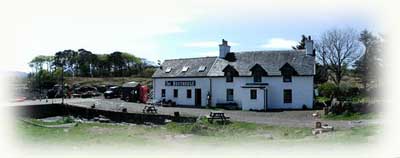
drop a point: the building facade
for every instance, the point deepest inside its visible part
(253, 80)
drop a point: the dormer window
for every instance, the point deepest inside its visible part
(287, 78)
(229, 73)
(202, 68)
(258, 72)
(229, 77)
(257, 77)
(287, 72)
(168, 70)
(185, 68)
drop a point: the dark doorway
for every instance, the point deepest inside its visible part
(197, 98)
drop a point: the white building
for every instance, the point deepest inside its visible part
(257, 80)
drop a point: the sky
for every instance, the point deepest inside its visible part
(158, 30)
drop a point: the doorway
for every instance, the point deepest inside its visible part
(197, 97)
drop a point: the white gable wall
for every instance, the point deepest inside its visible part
(302, 92)
(201, 83)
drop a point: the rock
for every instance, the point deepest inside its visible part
(268, 136)
(167, 120)
(298, 131)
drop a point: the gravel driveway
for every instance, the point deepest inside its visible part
(301, 118)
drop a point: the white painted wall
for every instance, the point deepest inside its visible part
(302, 92)
(201, 83)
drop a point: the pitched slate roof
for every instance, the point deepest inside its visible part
(271, 61)
(176, 66)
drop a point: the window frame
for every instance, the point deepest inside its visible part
(163, 93)
(229, 77)
(188, 93)
(253, 94)
(257, 78)
(175, 93)
(228, 98)
(289, 77)
(286, 94)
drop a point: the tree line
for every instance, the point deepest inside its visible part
(46, 70)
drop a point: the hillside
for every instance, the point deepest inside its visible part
(88, 81)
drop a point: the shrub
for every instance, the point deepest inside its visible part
(327, 89)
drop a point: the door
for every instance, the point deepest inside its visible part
(197, 98)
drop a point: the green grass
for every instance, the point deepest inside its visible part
(201, 132)
(350, 116)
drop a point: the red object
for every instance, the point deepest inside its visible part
(143, 94)
(20, 99)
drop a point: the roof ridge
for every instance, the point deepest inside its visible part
(190, 58)
(277, 51)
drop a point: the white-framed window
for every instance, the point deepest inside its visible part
(229, 94)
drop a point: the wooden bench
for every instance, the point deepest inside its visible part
(149, 109)
(217, 115)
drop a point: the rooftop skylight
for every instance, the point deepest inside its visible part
(202, 68)
(185, 68)
(168, 70)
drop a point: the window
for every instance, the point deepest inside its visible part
(189, 93)
(202, 68)
(287, 78)
(253, 94)
(168, 70)
(257, 77)
(175, 93)
(185, 68)
(229, 77)
(287, 96)
(162, 92)
(229, 95)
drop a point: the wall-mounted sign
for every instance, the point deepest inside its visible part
(180, 83)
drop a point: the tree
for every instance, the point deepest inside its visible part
(337, 49)
(302, 43)
(365, 66)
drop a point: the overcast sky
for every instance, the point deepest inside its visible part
(160, 30)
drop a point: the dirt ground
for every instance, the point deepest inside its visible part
(302, 118)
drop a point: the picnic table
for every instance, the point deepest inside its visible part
(149, 109)
(217, 115)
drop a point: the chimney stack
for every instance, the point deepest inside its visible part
(309, 44)
(224, 49)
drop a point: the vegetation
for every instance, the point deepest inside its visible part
(176, 133)
(350, 116)
(46, 70)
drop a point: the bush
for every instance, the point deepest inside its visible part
(327, 89)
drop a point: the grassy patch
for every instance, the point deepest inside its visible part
(201, 132)
(350, 116)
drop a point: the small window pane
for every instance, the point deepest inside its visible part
(287, 78)
(287, 96)
(185, 68)
(189, 93)
(253, 94)
(229, 95)
(175, 93)
(162, 92)
(202, 68)
(168, 70)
